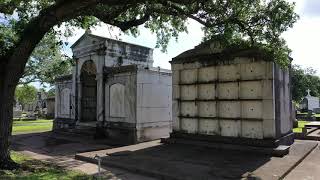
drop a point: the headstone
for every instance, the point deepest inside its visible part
(17, 110)
(309, 103)
(316, 110)
(31, 116)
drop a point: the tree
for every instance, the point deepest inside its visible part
(302, 80)
(243, 22)
(46, 62)
(25, 94)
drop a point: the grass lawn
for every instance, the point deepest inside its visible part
(33, 121)
(301, 125)
(38, 170)
(20, 127)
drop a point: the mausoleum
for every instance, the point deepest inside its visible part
(233, 96)
(115, 90)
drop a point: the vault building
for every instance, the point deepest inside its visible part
(115, 90)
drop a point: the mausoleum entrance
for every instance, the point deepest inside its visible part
(88, 92)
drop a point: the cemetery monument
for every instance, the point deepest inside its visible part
(115, 89)
(233, 96)
(309, 103)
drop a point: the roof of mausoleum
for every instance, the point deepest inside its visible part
(64, 78)
(104, 38)
(212, 52)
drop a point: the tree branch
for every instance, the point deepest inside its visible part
(125, 25)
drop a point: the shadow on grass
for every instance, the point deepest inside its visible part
(35, 169)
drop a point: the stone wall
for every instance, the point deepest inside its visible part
(64, 104)
(154, 97)
(138, 104)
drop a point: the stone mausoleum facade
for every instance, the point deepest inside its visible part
(234, 96)
(114, 89)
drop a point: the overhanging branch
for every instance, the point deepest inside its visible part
(125, 25)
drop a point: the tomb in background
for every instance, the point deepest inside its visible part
(310, 103)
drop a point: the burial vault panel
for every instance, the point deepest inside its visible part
(237, 97)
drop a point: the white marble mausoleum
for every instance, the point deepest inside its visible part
(114, 89)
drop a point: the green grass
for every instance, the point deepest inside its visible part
(33, 121)
(301, 125)
(37, 170)
(21, 127)
(304, 114)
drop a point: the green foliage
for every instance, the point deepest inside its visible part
(251, 23)
(8, 38)
(233, 22)
(25, 94)
(301, 124)
(303, 79)
(46, 62)
(51, 92)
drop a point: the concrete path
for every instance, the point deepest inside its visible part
(166, 161)
(176, 161)
(308, 169)
(61, 150)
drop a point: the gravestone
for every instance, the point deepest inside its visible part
(309, 103)
(236, 96)
(17, 110)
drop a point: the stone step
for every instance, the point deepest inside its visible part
(87, 132)
(182, 162)
(279, 151)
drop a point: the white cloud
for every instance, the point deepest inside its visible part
(303, 38)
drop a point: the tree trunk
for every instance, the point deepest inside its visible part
(6, 108)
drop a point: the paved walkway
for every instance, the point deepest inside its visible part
(185, 162)
(61, 151)
(308, 169)
(179, 162)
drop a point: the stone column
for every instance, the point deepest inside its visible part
(74, 93)
(100, 91)
(79, 96)
(57, 101)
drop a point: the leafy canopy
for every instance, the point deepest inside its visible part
(232, 22)
(25, 94)
(46, 62)
(303, 79)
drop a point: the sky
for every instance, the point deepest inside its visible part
(303, 39)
